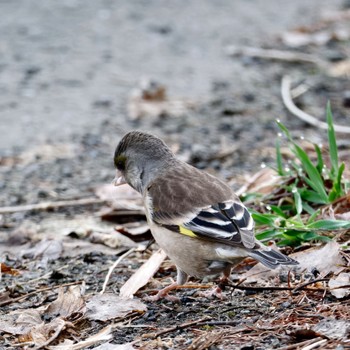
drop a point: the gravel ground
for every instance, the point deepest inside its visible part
(67, 71)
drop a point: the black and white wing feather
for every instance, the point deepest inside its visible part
(228, 222)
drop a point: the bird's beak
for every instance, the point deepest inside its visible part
(119, 179)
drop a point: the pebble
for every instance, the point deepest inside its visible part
(346, 99)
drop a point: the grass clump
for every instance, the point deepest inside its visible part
(293, 213)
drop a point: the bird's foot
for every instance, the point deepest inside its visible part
(163, 293)
(215, 292)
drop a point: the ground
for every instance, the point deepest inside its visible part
(70, 75)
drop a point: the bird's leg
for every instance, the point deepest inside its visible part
(163, 293)
(217, 291)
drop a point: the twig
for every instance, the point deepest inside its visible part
(113, 267)
(315, 344)
(293, 289)
(175, 328)
(301, 286)
(46, 275)
(22, 297)
(297, 345)
(200, 322)
(51, 205)
(292, 108)
(182, 286)
(287, 56)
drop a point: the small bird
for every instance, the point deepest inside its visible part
(194, 217)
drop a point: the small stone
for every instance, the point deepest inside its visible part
(248, 347)
(346, 99)
(103, 103)
(286, 305)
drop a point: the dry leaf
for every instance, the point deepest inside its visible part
(109, 306)
(29, 322)
(5, 297)
(112, 239)
(333, 329)
(297, 39)
(264, 181)
(47, 250)
(136, 231)
(8, 270)
(103, 335)
(67, 303)
(343, 279)
(20, 321)
(120, 197)
(150, 100)
(141, 277)
(44, 334)
(74, 248)
(325, 260)
(340, 69)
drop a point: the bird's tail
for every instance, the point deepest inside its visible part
(272, 258)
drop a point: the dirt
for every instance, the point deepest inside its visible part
(67, 72)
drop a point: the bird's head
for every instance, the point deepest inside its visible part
(139, 158)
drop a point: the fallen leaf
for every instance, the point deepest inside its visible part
(5, 296)
(120, 197)
(47, 152)
(333, 329)
(44, 333)
(112, 239)
(30, 323)
(136, 231)
(47, 250)
(20, 321)
(141, 277)
(8, 270)
(325, 260)
(343, 279)
(150, 100)
(109, 306)
(340, 69)
(74, 248)
(297, 38)
(264, 181)
(103, 335)
(67, 303)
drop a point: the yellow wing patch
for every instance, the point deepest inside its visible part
(187, 232)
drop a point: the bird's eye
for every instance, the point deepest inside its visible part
(120, 163)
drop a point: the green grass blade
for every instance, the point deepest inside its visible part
(264, 219)
(278, 211)
(333, 149)
(320, 163)
(267, 235)
(313, 216)
(329, 225)
(337, 190)
(279, 162)
(311, 196)
(284, 130)
(297, 201)
(339, 178)
(307, 208)
(316, 181)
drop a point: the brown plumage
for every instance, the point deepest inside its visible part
(195, 217)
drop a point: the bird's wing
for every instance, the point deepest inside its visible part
(199, 205)
(228, 222)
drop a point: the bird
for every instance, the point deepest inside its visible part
(195, 217)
